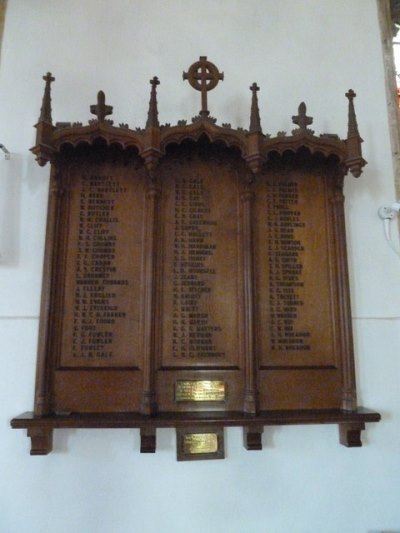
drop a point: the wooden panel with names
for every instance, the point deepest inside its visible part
(200, 265)
(103, 268)
(294, 271)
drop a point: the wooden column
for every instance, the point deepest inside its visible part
(47, 335)
(250, 393)
(149, 402)
(349, 396)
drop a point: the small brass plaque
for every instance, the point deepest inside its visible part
(200, 443)
(199, 391)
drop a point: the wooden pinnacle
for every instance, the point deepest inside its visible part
(45, 111)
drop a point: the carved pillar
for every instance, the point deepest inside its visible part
(349, 397)
(149, 402)
(250, 393)
(48, 313)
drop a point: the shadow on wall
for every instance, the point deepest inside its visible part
(383, 531)
(10, 207)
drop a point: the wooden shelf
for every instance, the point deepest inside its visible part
(40, 428)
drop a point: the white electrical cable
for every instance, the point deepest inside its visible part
(387, 214)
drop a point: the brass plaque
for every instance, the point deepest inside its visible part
(194, 443)
(200, 443)
(199, 391)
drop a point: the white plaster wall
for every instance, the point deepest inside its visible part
(96, 481)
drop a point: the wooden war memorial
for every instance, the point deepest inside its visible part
(195, 277)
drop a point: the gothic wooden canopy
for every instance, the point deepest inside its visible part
(151, 142)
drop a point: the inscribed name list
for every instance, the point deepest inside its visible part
(103, 270)
(293, 271)
(200, 266)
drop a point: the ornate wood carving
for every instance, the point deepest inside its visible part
(195, 276)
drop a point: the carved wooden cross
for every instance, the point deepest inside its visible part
(48, 78)
(154, 81)
(254, 88)
(302, 120)
(101, 110)
(203, 76)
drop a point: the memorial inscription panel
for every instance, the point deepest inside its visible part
(298, 339)
(200, 266)
(200, 333)
(103, 268)
(294, 272)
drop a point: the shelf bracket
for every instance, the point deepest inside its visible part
(350, 434)
(147, 440)
(41, 440)
(252, 437)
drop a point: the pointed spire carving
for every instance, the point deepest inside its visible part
(152, 116)
(354, 161)
(352, 124)
(255, 122)
(45, 111)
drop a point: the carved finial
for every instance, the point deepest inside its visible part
(203, 76)
(302, 120)
(45, 112)
(101, 110)
(352, 125)
(152, 117)
(354, 161)
(255, 123)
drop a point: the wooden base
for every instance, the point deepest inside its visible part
(350, 434)
(252, 437)
(41, 440)
(40, 428)
(147, 440)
